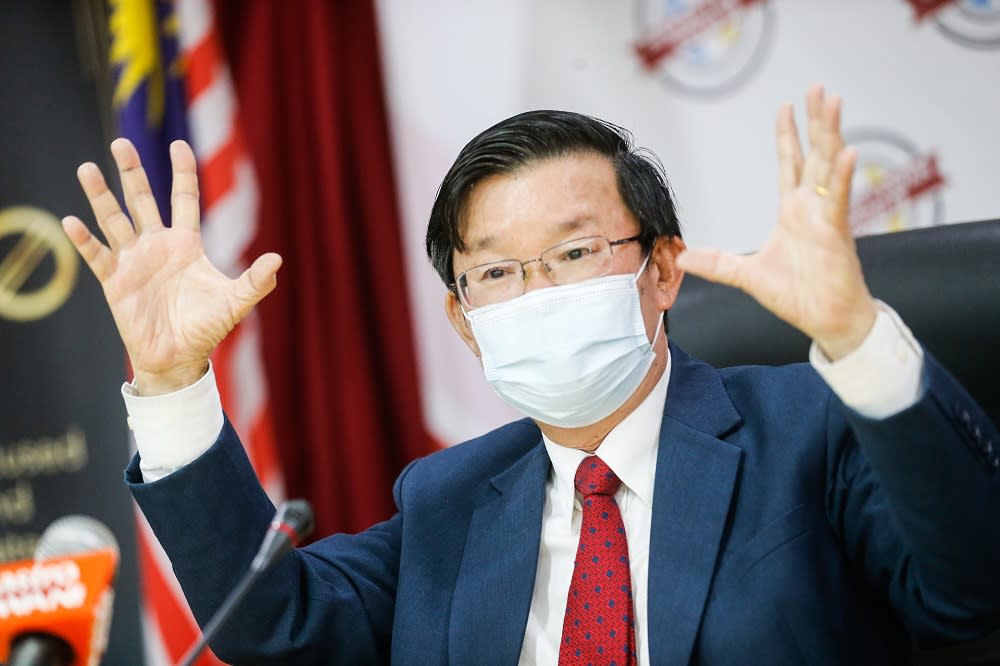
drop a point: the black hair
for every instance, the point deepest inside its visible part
(534, 136)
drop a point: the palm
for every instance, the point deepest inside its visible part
(168, 301)
(799, 274)
(172, 307)
(808, 272)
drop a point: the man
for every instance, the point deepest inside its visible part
(748, 515)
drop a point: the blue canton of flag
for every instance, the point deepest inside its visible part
(149, 98)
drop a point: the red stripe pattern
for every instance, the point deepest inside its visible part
(228, 199)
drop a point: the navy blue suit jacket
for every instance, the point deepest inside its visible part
(785, 529)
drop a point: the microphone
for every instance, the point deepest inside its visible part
(55, 610)
(293, 522)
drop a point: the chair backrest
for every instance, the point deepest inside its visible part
(945, 284)
(943, 281)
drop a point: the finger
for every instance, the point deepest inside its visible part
(184, 205)
(96, 255)
(114, 224)
(715, 266)
(814, 113)
(814, 110)
(135, 185)
(830, 140)
(839, 200)
(255, 283)
(789, 151)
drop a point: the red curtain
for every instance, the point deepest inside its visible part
(338, 342)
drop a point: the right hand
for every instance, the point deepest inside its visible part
(172, 307)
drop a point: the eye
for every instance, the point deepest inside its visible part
(494, 273)
(576, 253)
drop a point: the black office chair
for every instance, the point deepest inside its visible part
(945, 284)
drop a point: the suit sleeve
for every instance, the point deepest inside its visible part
(330, 602)
(915, 498)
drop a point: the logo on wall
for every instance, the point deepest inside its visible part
(38, 264)
(703, 47)
(895, 186)
(971, 23)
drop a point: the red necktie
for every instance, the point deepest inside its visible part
(599, 627)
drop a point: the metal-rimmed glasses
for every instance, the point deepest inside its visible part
(568, 262)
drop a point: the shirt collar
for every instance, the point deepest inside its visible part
(629, 450)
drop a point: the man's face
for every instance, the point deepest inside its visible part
(522, 214)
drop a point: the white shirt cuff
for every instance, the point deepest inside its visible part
(882, 376)
(173, 429)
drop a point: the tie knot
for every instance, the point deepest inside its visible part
(594, 477)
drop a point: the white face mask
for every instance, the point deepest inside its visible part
(568, 355)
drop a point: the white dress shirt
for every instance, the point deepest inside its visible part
(630, 451)
(880, 378)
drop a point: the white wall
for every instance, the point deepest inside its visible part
(912, 89)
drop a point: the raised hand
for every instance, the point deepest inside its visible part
(808, 271)
(171, 305)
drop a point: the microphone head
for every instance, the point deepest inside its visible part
(292, 523)
(298, 515)
(63, 598)
(75, 535)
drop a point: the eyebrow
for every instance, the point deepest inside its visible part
(489, 240)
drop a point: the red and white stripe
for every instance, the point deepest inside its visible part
(229, 222)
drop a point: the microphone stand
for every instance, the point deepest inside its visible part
(293, 522)
(221, 615)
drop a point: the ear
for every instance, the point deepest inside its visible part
(669, 275)
(453, 309)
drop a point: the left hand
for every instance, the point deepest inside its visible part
(808, 272)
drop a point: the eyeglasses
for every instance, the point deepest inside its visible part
(572, 261)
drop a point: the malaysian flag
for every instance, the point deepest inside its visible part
(172, 82)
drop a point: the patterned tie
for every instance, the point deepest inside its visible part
(599, 627)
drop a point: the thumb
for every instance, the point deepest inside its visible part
(714, 265)
(256, 282)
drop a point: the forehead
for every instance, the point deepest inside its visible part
(541, 204)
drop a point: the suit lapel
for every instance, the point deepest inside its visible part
(497, 575)
(695, 477)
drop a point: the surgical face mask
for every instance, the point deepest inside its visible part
(568, 355)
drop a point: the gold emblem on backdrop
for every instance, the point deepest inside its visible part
(37, 235)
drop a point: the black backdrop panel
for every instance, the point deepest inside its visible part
(63, 439)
